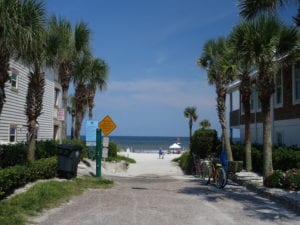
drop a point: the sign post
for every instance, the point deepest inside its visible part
(90, 137)
(98, 153)
(106, 126)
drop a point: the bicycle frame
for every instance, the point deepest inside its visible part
(217, 174)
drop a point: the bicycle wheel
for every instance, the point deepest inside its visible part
(220, 178)
(205, 173)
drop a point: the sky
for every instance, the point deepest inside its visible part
(151, 48)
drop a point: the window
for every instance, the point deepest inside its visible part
(56, 95)
(12, 133)
(296, 84)
(55, 132)
(14, 79)
(278, 89)
(252, 101)
(279, 136)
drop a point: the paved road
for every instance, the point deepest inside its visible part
(152, 200)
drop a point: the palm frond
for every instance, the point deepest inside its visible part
(249, 9)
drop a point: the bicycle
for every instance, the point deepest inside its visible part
(196, 165)
(217, 174)
(200, 168)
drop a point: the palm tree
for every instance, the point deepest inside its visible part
(90, 75)
(244, 65)
(270, 43)
(217, 61)
(81, 71)
(65, 45)
(20, 22)
(35, 58)
(205, 124)
(191, 114)
(253, 8)
(96, 80)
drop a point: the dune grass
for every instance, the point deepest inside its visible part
(119, 158)
(45, 195)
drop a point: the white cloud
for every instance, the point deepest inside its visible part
(156, 105)
(174, 93)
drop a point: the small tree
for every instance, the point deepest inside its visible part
(191, 114)
(205, 124)
(204, 142)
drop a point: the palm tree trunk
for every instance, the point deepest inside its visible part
(31, 141)
(267, 149)
(4, 77)
(65, 107)
(246, 103)
(190, 128)
(34, 106)
(73, 125)
(78, 122)
(221, 107)
(65, 77)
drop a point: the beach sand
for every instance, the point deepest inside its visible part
(147, 164)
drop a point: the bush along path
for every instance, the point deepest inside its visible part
(17, 209)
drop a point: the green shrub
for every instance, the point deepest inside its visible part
(11, 155)
(84, 153)
(185, 162)
(204, 142)
(112, 150)
(285, 158)
(238, 152)
(292, 180)
(17, 176)
(289, 180)
(257, 159)
(46, 149)
(276, 180)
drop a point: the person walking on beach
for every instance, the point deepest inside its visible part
(160, 154)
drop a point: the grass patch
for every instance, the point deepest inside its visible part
(119, 158)
(176, 159)
(43, 196)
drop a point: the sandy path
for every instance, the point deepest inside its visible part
(147, 164)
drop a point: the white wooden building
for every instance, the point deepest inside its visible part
(13, 119)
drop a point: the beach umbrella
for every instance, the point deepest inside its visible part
(175, 146)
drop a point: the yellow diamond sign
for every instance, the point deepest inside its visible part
(107, 125)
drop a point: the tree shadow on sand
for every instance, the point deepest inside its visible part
(254, 205)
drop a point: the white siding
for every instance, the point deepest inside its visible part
(288, 130)
(46, 119)
(14, 108)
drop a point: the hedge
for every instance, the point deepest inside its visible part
(289, 180)
(12, 178)
(11, 155)
(16, 154)
(284, 158)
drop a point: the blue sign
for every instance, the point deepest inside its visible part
(90, 133)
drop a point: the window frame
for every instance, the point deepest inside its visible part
(295, 101)
(278, 104)
(12, 126)
(16, 80)
(56, 97)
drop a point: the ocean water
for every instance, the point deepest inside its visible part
(148, 144)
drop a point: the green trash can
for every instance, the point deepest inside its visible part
(68, 158)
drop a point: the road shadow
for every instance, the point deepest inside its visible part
(254, 205)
